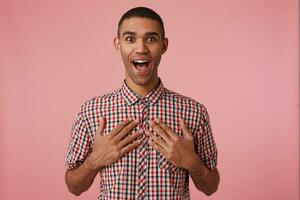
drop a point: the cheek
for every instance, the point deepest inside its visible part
(125, 52)
(156, 58)
(156, 53)
(124, 56)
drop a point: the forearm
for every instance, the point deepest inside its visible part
(204, 179)
(80, 179)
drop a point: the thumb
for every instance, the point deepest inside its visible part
(101, 127)
(185, 130)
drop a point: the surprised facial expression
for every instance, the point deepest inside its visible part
(141, 45)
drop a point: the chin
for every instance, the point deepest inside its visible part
(142, 82)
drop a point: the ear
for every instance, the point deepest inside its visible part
(165, 45)
(117, 43)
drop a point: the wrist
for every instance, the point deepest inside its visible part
(193, 163)
(196, 166)
(90, 164)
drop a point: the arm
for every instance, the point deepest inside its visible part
(80, 179)
(106, 150)
(204, 179)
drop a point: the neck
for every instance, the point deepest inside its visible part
(142, 90)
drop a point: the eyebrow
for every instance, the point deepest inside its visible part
(134, 33)
(152, 33)
(128, 33)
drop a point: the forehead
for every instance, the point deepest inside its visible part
(140, 25)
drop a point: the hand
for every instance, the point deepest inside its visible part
(179, 151)
(111, 147)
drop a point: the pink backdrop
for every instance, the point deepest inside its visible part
(237, 57)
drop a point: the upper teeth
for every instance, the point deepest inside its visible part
(140, 61)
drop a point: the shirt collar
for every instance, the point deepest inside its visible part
(131, 97)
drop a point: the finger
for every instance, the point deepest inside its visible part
(159, 141)
(157, 147)
(185, 130)
(129, 147)
(122, 133)
(166, 128)
(129, 138)
(101, 127)
(120, 126)
(160, 131)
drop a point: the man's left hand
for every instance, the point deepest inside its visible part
(179, 151)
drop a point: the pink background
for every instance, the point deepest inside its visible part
(237, 57)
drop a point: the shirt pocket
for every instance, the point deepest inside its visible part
(176, 177)
(110, 175)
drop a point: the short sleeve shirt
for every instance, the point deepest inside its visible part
(143, 173)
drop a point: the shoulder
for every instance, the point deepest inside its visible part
(188, 101)
(193, 110)
(96, 103)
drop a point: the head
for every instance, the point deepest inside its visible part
(142, 12)
(141, 42)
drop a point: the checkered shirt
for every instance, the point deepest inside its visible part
(142, 173)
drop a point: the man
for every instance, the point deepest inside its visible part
(143, 139)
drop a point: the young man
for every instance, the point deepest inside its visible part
(143, 139)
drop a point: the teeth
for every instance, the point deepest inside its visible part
(140, 61)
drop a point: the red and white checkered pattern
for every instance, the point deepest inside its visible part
(142, 173)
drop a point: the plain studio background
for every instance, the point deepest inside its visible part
(237, 57)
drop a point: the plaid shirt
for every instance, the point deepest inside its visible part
(143, 173)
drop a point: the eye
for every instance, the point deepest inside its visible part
(151, 39)
(129, 39)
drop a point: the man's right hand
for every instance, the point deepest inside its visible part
(109, 148)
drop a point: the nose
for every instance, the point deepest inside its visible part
(141, 47)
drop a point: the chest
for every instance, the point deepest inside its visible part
(144, 112)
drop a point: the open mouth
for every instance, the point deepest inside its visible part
(141, 65)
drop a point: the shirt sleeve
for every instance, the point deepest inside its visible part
(205, 144)
(80, 143)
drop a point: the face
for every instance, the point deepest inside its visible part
(141, 45)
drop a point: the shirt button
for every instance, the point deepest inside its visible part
(144, 100)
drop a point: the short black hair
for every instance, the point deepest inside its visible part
(142, 12)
